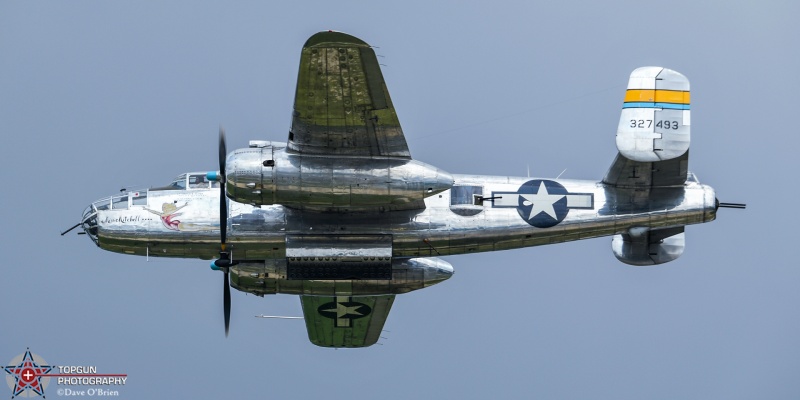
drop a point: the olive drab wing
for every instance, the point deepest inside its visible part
(342, 106)
(345, 321)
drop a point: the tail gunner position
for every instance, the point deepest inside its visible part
(342, 216)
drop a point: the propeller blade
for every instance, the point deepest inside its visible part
(223, 151)
(227, 304)
(223, 204)
(224, 262)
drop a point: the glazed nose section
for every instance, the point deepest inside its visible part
(89, 223)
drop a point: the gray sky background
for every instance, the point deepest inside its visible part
(99, 95)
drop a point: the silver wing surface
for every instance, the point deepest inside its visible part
(345, 321)
(342, 106)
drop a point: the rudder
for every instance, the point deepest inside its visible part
(655, 121)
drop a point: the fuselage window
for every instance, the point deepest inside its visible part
(466, 200)
(466, 195)
(139, 199)
(119, 203)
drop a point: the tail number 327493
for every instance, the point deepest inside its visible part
(647, 123)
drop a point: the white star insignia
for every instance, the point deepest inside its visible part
(542, 202)
(342, 310)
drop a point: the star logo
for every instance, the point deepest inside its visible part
(343, 311)
(25, 375)
(543, 203)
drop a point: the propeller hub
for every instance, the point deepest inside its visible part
(214, 176)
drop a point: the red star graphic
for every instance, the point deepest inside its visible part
(27, 375)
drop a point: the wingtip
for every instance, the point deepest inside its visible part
(331, 36)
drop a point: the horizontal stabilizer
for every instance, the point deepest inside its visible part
(642, 246)
(655, 119)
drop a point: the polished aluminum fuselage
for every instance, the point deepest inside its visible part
(438, 229)
(334, 249)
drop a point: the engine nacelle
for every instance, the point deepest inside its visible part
(268, 175)
(273, 276)
(642, 246)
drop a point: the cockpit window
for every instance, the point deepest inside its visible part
(198, 181)
(104, 204)
(179, 182)
(119, 203)
(189, 180)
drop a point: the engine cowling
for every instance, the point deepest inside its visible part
(642, 246)
(268, 175)
(272, 276)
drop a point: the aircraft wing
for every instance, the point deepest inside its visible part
(345, 321)
(342, 106)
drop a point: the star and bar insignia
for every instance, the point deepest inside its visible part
(343, 311)
(543, 203)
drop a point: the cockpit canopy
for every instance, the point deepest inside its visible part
(138, 197)
(190, 180)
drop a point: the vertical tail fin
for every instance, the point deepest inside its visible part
(653, 133)
(655, 120)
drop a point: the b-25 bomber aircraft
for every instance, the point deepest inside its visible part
(342, 216)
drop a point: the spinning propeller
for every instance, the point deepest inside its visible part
(224, 262)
